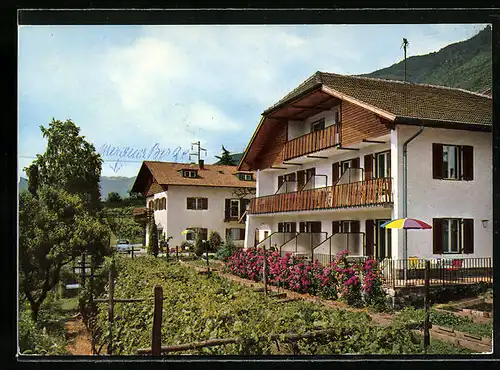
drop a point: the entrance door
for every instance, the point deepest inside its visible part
(383, 245)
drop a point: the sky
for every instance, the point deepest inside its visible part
(158, 89)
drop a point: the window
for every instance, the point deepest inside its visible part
(190, 173)
(452, 162)
(192, 236)
(287, 227)
(453, 235)
(383, 165)
(336, 116)
(234, 208)
(266, 234)
(246, 176)
(345, 226)
(310, 227)
(288, 180)
(318, 125)
(197, 203)
(235, 234)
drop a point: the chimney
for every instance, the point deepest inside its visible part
(201, 163)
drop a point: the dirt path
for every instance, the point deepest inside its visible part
(78, 337)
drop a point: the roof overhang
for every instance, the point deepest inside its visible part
(453, 125)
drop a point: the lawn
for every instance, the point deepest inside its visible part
(201, 307)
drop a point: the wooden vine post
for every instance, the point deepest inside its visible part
(157, 318)
(427, 338)
(177, 252)
(206, 252)
(111, 307)
(265, 270)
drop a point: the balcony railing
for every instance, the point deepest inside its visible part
(312, 142)
(355, 194)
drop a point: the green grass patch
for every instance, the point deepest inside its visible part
(440, 347)
(445, 319)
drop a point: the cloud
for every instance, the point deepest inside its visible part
(174, 85)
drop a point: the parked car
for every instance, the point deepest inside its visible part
(124, 246)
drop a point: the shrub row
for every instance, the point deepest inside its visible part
(357, 283)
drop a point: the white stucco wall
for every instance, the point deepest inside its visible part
(270, 222)
(429, 198)
(299, 128)
(267, 181)
(180, 218)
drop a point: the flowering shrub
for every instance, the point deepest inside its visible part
(341, 279)
(372, 284)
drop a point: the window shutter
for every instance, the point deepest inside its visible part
(437, 236)
(294, 227)
(280, 227)
(281, 180)
(468, 235)
(302, 227)
(300, 179)
(242, 234)
(189, 203)
(226, 210)
(355, 162)
(369, 241)
(227, 233)
(369, 167)
(335, 227)
(204, 203)
(316, 227)
(468, 161)
(354, 226)
(437, 161)
(242, 206)
(335, 173)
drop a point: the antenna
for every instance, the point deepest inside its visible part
(404, 46)
(198, 153)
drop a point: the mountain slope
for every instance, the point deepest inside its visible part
(466, 64)
(120, 185)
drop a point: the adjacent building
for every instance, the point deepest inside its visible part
(329, 162)
(188, 196)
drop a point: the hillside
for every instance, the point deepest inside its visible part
(466, 64)
(121, 185)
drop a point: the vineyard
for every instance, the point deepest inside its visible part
(202, 307)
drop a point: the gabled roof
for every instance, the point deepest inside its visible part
(394, 101)
(169, 173)
(401, 99)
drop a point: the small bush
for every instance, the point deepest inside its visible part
(215, 241)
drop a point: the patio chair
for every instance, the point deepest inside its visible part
(454, 270)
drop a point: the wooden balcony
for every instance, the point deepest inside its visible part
(356, 194)
(312, 142)
(141, 215)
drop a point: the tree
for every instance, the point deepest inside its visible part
(113, 197)
(214, 240)
(69, 162)
(54, 228)
(134, 195)
(199, 246)
(58, 217)
(225, 158)
(153, 238)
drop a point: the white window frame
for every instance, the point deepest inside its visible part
(190, 173)
(455, 171)
(231, 201)
(447, 233)
(386, 157)
(318, 123)
(231, 234)
(247, 177)
(287, 226)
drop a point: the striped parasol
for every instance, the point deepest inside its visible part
(406, 223)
